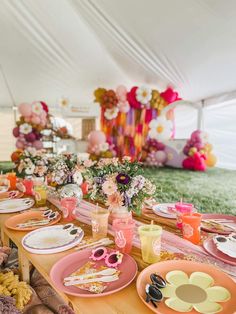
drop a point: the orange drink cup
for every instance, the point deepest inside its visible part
(12, 180)
(191, 227)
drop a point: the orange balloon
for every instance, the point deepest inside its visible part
(211, 160)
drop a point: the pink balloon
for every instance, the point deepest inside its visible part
(43, 114)
(161, 156)
(96, 138)
(30, 137)
(35, 119)
(25, 109)
(38, 144)
(16, 131)
(19, 144)
(28, 119)
(121, 90)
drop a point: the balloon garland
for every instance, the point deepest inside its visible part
(125, 115)
(33, 120)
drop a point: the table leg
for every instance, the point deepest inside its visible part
(24, 266)
(4, 238)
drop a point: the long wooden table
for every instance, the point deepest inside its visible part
(125, 301)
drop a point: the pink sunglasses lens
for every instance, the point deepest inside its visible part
(99, 253)
(112, 259)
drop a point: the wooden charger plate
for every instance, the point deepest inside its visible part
(13, 221)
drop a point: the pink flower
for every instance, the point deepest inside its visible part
(88, 163)
(131, 97)
(109, 187)
(114, 200)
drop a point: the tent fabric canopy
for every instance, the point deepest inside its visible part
(69, 47)
(51, 48)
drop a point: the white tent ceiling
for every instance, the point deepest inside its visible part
(50, 48)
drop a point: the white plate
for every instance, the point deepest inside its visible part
(49, 240)
(228, 248)
(3, 188)
(163, 211)
(15, 205)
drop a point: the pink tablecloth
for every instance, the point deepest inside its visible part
(170, 242)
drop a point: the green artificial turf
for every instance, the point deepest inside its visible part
(211, 191)
(6, 166)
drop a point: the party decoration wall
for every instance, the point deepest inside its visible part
(126, 116)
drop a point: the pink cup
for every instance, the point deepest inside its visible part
(182, 208)
(124, 231)
(68, 205)
(29, 186)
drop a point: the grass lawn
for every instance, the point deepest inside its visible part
(211, 191)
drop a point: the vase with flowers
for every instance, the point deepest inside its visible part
(118, 184)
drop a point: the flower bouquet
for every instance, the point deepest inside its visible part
(118, 184)
(63, 170)
(31, 163)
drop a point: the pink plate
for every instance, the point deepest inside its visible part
(218, 216)
(211, 248)
(68, 264)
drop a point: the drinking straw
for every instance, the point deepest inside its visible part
(152, 223)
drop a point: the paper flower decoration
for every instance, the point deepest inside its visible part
(64, 102)
(98, 94)
(25, 128)
(143, 95)
(131, 97)
(111, 113)
(109, 99)
(196, 292)
(160, 129)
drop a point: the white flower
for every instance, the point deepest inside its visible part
(25, 128)
(30, 169)
(160, 129)
(77, 177)
(37, 108)
(64, 102)
(130, 193)
(103, 147)
(138, 182)
(149, 187)
(111, 113)
(144, 95)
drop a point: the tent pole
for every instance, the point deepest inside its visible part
(200, 119)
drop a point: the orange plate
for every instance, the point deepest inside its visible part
(162, 268)
(13, 221)
(5, 196)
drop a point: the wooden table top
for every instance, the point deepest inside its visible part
(122, 302)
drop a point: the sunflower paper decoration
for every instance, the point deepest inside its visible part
(184, 293)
